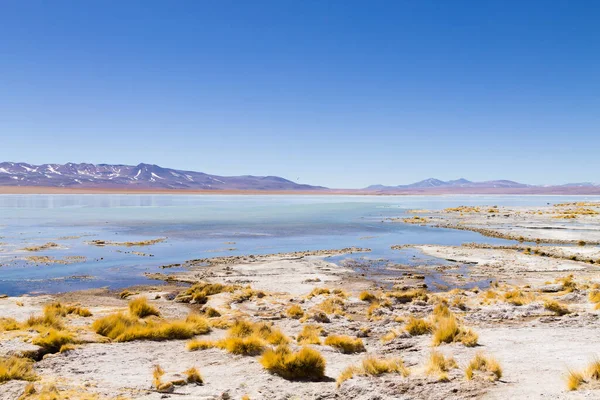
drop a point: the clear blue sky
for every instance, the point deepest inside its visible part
(338, 93)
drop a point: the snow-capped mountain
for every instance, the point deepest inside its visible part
(141, 176)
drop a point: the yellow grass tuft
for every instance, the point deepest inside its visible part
(306, 363)
(9, 324)
(332, 305)
(65, 348)
(295, 312)
(61, 310)
(556, 307)
(367, 296)
(441, 310)
(157, 373)
(140, 308)
(345, 344)
(52, 340)
(193, 376)
(594, 296)
(46, 320)
(310, 335)
(318, 292)
(259, 330)
(418, 326)
(124, 328)
(378, 366)
(200, 344)
(199, 323)
(374, 366)
(574, 380)
(406, 296)
(221, 323)
(199, 292)
(15, 368)
(28, 391)
(340, 292)
(568, 282)
(486, 365)
(211, 312)
(440, 365)
(594, 370)
(448, 330)
(249, 346)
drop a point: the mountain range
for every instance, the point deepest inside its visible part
(502, 186)
(458, 183)
(153, 177)
(141, 176)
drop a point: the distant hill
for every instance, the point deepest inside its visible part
(141, 176)
(464, 186)
(458, 183)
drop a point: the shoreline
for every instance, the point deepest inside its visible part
(45, 190)
(540, 306)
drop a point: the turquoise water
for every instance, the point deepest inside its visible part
(199, 226)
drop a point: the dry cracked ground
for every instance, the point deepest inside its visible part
(294, 326)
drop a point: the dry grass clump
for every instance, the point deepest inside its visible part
(406, 296)
(318, 292)
(140, 308)
(58, 309)
(52, 340)
(488, 366)
(193, 376)
(199, 323)
(594, 297)
(295, 312)
(574, 380)
(332, 305)
(9, 324)
(199, 292)
(345, 344)
(439, 365)
(16, 368)
(310, 335)
(244, 337)
(374, 366)
(516, 297)
(594, 370)
(367, 296)
(221, 323)
(201, 344)
(124, 328)
(161, 387)
(47, 320)
(211, 312)
(248, 346)
(125, 294)
(247, 294)
(305, 364)
(556, 307)
(448, 330)
(376, 305)
(260, 330)
(568, 282)
(418, 326)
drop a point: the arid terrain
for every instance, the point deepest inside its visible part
(296, 326)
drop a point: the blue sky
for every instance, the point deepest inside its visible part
(338, 93)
